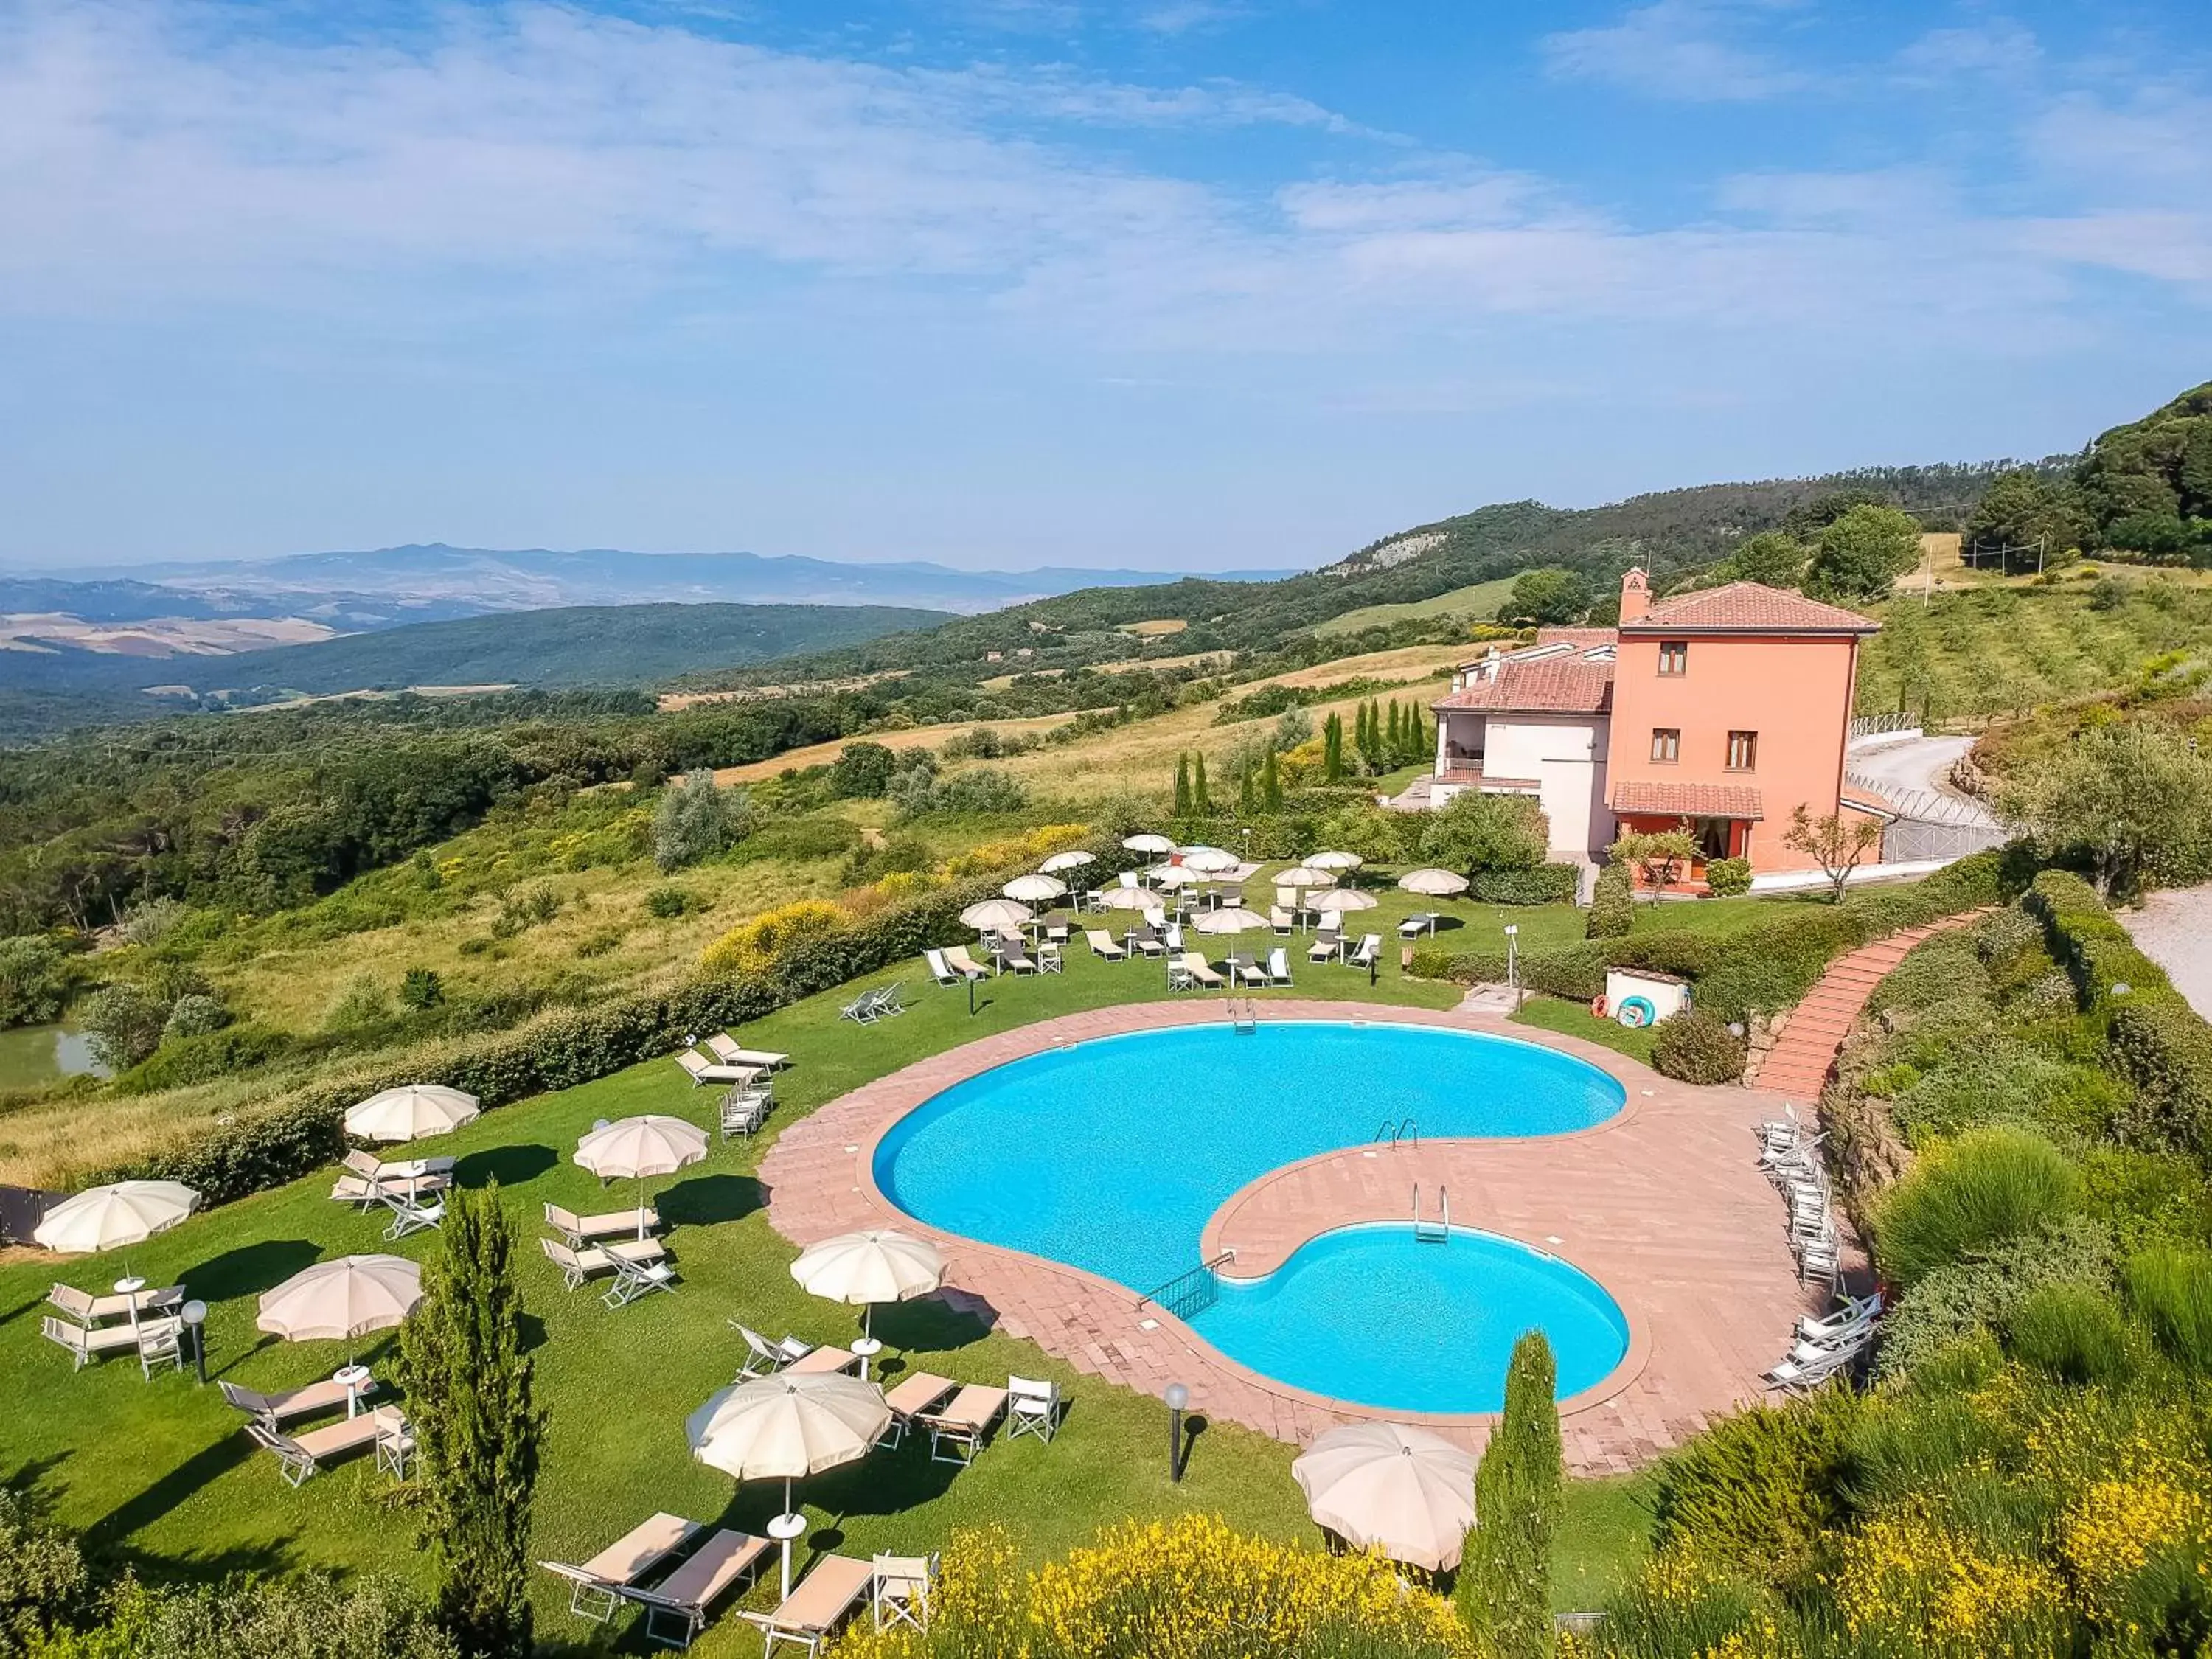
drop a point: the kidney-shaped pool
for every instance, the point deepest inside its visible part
(1112, 1155)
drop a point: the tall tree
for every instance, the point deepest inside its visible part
(1332, 749)
(2133, 802)
(476, 1426)
(1474, 832)
(1271, 784)
(1200, 803)
(1182, 786)
(1773, 558)
(1862, 554)
(1546, 598)
(1505, 1587)
(1248, 798)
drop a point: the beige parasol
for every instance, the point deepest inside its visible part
(1060, 861)
(649, 1145)
(338, 1301)
(1208, 860)
(114, 1216)
(1404, 1491)
(1333, 861)
(879, 1264)
(1437, 883)
(1035, 890)
(1148, 842)
(1300, 876)
(1341, 899)
(996, 915)
(1129, 898)
(1233, 920)
(410, 1112)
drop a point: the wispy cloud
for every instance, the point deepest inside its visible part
(1673, 49)
(1997, 46)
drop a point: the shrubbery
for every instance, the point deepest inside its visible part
(697, 820)
(1727, 878)
(1547, 883)
(1756, 1489)
(1612, 903)
(34, 980)
(1987, 1186)
(1694, 1046)
(1981, 1292)
(2171, 1291)
(2072, 1332)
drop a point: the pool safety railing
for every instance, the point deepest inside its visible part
(1432, 1232)
(1404, 1130)
(1243, 1017)
(1190, 1292)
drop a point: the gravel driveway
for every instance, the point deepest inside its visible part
(2174, 930)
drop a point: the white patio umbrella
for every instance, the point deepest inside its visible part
(114, 1218)
(1437, 883)
(1333, 861)
(1302, 876)
(650, 1145)
(1343, 898)
(785, 1428)
(996, 915)
(1060, 861)
(1208, 860)
(1128, 898)
(878, 1264)
(1034, 889)
(1402, 1490)
(410, 1112)
(342, 1301)
(1148, 842)
(1233, 920)
(1172, 876)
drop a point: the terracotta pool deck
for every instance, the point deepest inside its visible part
(1664, 1206)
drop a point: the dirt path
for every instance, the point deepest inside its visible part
(2174, 930)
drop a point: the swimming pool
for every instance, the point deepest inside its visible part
(1112, 1155)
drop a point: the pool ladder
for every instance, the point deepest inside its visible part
(1404, 1130)
(1432, 1232)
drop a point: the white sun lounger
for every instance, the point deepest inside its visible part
(577, 1266)
(763, 1356)
(688, 1594)
(963, 963)
(89, 1310)
(581, 1230)
(1198, 969)
(301, 1456)
(939, 969)
(912, 1397)
(1103, 944)
(277, 1409)
(703, 1071)
(823, 1599)
(98, 1342)
(595, 1589)
(726, 1049)
(964, 1424)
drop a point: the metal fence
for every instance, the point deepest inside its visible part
(1873, 725)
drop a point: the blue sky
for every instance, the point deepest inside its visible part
(1172, 284)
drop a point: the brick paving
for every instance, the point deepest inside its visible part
(1797, 1065)
(1664, 1206)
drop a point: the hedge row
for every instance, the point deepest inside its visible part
(1762, 969)
(1548, 883)
(561, 1048)
(2154, 1040)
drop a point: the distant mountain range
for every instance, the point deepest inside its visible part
(478, 580)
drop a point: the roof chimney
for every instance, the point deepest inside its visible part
(1635, 595)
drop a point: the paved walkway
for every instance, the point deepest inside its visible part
(2173, 928)
(1664, 1205)
(1797, 1067)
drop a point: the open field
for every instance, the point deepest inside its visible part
(1479, 603)
(912, 736)
(1156, 627)
(189, 1495)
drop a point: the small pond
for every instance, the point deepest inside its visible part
(32, 1054)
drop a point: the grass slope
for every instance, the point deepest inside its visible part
(160, 1473)
(1479, 602)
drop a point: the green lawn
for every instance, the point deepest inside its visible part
(160, 1475)
(1478, 603)
(1551, 1014)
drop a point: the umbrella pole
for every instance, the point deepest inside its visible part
(640, 1208)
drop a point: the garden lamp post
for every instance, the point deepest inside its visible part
(1513, 960)
(194, 1315)
(1177, 1398)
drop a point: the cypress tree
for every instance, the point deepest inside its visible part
(1332, 749)
(1393, 735)
(1201, 805)
(1182, 787)
(1271, 784)
(1505, 1587)
(476, 1426)
(1246, 801)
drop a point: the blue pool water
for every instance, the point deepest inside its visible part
(1113, 1155)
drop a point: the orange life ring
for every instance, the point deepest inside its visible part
(1597, 1006)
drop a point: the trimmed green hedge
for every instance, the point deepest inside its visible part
(2155, 1041)
(1762, 969)
(1548, 883)
(562, 1047)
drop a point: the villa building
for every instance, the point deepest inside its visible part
(1723, 710)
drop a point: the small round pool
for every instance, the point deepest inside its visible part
(1113, 1155)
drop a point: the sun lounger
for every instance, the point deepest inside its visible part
(595, 1589)
(301, 1456)
(888, 999)
(817, 1362)
(635, 1279)
(1327, 942)
(367, 1179)
(580, 1230)
(1032, 1407)
(1245, 972)
(724, 1048)
(277, 1409)
(688, 1594)
(861, 1011)
(963, 963)
(409, 1216)
(576, 1266)
(939, 969)
(1102, 945)
(904, 1586)
(963, 1424)
(1144, 939)
(1012, 956)
(1856, 1311)
(86, 1344)
(763, 1356)
(1278, 965)
(703, 1071)
(823, 1600)
(910, 1398)
(1371, 945)
(744, 1110)
(89, 1309)
(1200, 971)
(1174, 939)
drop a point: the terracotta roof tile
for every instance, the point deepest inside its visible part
(1581, 636)
(1555, 685)
(1748, 608)
(1689, 800)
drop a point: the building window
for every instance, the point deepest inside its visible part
(1673, 656)
(1666, 743)
(1743, 751)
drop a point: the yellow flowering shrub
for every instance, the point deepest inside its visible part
(752, 946)
(1934, 1590)
(2153, 1502)
(1027, 849)
(1187, 1588)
